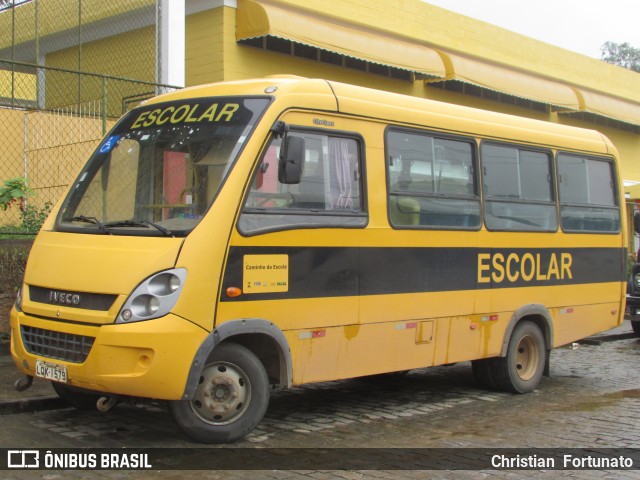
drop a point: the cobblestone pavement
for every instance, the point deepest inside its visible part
(591, 400)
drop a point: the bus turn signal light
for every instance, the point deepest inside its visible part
(233, 292)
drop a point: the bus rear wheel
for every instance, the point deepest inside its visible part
(231, 398)
(520, 371)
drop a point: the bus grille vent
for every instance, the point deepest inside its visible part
(57, 345)
(88, 301)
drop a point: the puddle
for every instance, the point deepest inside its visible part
(606, 400)
(632, 393)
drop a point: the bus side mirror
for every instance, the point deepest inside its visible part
(636, 222)
(291, 160)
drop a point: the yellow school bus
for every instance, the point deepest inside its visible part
(228, 238)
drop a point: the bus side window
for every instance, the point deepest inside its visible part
(518, 189)
(431, 181)
(587, 194)
(329, 192)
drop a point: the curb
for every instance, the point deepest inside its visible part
(599, 340)
(30, 405)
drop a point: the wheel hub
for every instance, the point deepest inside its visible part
(527, 357)
(223, 394)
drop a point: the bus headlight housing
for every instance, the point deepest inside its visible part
(636, 280)
(18, 302)
(153, 298)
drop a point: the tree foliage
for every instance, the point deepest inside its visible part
(621, 54)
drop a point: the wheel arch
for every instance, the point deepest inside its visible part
(536, 313)
(260, 336)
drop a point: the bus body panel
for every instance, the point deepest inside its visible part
(402, 331)
(388, 333)
(116, 258)
(63, 263)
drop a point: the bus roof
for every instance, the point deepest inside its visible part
(299, 92)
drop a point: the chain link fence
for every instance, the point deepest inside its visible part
(52, 121)
(115, 37)
(53, 111)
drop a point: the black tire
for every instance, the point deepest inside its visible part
(635, 324)
(521, 370)
(78, 398)
(483, 373)
(230, 400)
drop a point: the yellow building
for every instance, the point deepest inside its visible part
(405, 46)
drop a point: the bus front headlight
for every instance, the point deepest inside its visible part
(636, 280)
(18, 302)
(153, 298)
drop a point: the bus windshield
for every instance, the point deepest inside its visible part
(160, 168)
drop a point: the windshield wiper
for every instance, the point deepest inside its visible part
(93, 220)
(141, 223)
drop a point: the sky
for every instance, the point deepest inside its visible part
(578, 25)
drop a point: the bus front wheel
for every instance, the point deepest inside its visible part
(520, 371)
(231, 398)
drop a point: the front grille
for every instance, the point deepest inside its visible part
(57, 345)
(88, 301)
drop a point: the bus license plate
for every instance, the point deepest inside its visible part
(51, 371)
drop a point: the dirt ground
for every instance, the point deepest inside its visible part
(13, 257)
(6, 302)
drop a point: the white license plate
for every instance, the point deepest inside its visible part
(51, 371)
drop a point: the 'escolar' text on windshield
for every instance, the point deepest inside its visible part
(186, 114)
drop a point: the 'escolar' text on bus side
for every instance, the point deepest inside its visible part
(528, 267)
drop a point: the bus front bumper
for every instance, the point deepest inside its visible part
(148, 359)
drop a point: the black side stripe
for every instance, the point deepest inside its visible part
(349, 271)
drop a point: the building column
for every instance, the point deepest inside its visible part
(171, 42)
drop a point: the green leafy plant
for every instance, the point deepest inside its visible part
(15, 190)
(33, 217)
